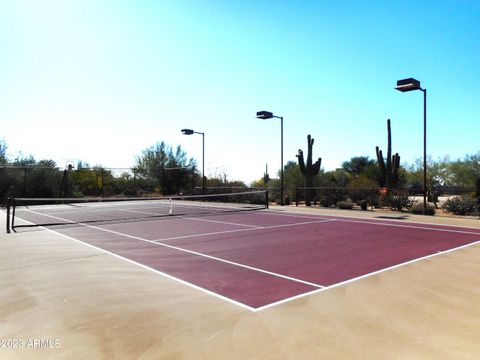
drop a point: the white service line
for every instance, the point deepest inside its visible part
(241, 230)
(300, 215)
(221, 222)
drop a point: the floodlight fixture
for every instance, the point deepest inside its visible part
(409, 84)
(264, 115)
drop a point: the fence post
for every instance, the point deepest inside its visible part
(8, 215)
(478, 195)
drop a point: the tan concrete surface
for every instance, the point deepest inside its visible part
(77, 302)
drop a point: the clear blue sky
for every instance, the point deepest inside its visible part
(99, 80)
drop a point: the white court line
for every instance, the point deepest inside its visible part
(301, 216)
(241, 230)
(197, 253)
(87, 210)
(411, 226)
(204, 234)
(220, 222)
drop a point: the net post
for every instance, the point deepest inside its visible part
(8, 215)
(266, 199)
(13, 205)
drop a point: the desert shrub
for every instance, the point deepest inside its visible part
(399, 202)
(364, 205)
(345, 204)
(461, 205)
(339, 195)
(418, 209)
(326, 199)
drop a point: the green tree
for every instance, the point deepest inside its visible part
(219, 183)
(16, 179)
(4, 176)
(437, 174)
(3, 152)
(461, 172)
(292, 179)
(29, 178)
(165, 170)
(360, 165)
(465, 172)
(125, 184)
(44, 179)
(96, 181)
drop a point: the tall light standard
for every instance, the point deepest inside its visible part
(411, 84)
(190, 132)
(268, 115)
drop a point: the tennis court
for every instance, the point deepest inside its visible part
(255, 259)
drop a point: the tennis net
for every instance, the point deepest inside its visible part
(65, 211)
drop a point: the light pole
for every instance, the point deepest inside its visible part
(190, 132)
(412, 84)
(268, 115)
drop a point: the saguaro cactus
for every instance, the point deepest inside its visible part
(308, 170)
(388, 170)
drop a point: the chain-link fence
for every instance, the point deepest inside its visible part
(52, 182)
(447, 200)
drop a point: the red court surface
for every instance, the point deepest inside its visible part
(263, 258)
